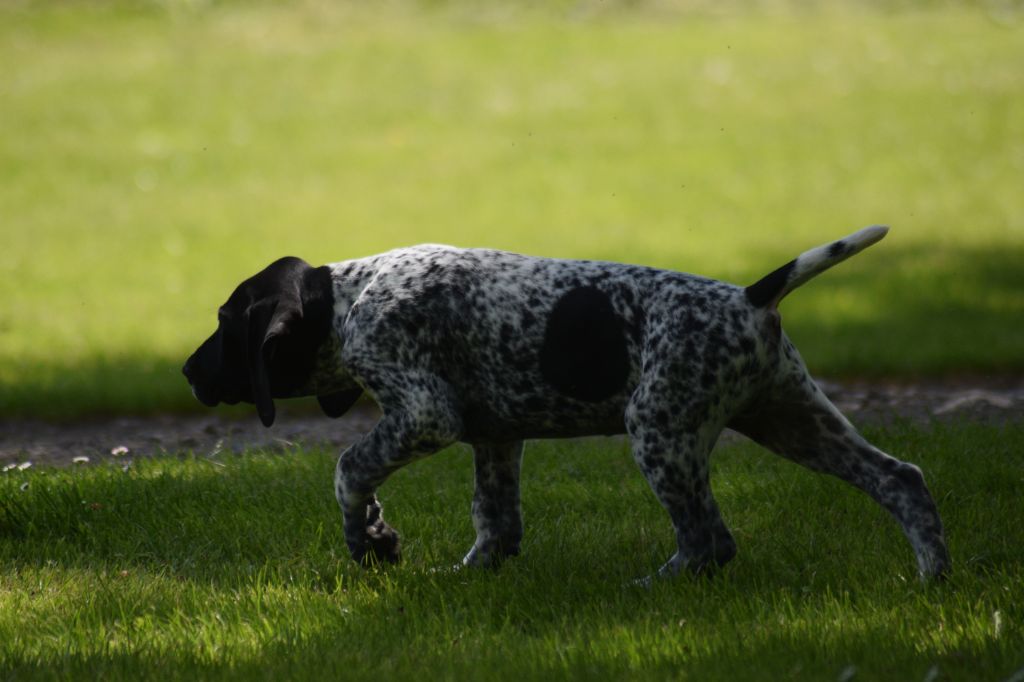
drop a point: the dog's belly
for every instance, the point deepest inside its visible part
(550, 416)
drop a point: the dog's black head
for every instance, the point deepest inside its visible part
(267, 340)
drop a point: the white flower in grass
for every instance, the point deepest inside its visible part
(82, 459)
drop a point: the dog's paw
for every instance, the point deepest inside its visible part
(382, 544)
(373, 542)
(935, 567)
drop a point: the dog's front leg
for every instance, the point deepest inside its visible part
(398, 438)
(497, 517)
(360, 470)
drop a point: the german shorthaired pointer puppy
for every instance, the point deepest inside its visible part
(492, 348)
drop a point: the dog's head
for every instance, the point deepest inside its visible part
(267, 342)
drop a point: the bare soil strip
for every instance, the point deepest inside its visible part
(26, 443)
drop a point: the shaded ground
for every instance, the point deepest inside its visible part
(36, 442)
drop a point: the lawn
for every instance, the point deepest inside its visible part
(155, 154)
(235, 568)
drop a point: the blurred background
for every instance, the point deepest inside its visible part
(154, 154)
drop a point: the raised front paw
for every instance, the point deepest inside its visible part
(373, 542)
(382, 544)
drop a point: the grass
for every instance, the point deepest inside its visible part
(154, 154)
(157, 154)
(234, 568)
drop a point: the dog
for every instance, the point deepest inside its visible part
(492, 348)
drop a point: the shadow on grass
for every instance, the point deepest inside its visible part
(920, 313)
(914, 312)
(109, 386)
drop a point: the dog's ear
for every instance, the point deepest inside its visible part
(269, 320)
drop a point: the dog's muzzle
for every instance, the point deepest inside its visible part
(201, 394)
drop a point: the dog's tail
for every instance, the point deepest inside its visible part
(769, 290)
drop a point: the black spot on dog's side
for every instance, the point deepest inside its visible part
(584, 355)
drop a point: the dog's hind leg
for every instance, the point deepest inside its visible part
(673, 451)
(497, 517)
(797, 421)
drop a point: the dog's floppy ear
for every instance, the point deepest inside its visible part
(269, 320)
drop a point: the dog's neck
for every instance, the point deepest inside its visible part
(332, 291)
(329, 374)
(348, 279)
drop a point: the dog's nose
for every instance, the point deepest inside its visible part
(187, 370)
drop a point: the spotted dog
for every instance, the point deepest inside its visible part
(491, 348)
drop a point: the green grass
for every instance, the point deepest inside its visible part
(186, 568)
(154, 155)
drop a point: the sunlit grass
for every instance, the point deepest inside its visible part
(153, 158)
(236, 568)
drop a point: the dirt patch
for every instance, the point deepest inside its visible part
(987, 400)
(206, 435)
(32, 442)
